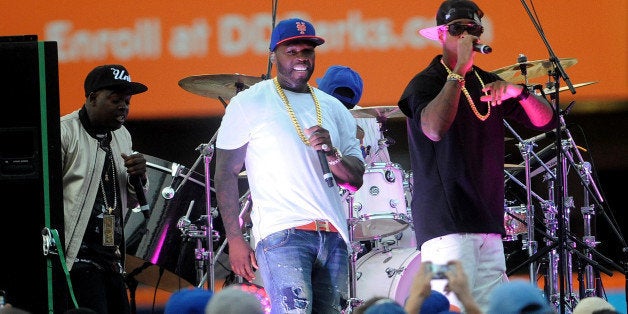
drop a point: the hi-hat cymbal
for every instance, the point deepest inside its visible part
(377, 112)
(218, 86)
(537, 68)
(564, 88)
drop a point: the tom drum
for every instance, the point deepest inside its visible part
(380, 206)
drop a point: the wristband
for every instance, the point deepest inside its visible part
(338, 157)
(525, 93)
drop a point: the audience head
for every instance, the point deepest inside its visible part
(234, 300)
(518, 296)
(188, 301)
(592, 305)
(385, 306)
(343, 83)
(435, 303)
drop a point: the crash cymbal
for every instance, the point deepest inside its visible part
(564, 88)
(512, 73)
(513, 166)
(219, 86)
(377, 112)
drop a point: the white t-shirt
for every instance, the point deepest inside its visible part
(285, 176)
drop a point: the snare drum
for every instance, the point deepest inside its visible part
(387, 273)
(380, 207)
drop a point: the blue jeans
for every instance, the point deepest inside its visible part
(304, 271)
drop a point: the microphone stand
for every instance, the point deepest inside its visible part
(558, 73)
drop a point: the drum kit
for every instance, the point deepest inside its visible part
(379, 216)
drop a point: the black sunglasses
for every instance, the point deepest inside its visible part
(456, 29)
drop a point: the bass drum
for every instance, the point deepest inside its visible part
(388, 274)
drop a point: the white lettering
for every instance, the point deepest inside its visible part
(143, 41)
(236, 35)
(190, 41)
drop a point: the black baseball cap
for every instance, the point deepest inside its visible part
(451, 10)
(113, 77)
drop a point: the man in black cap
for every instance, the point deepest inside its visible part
(456, 143)
(298, 144)
(98, 165)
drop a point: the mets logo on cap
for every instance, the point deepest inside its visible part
(294, 29)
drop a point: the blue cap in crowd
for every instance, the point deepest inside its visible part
(518, 296)
(338, 76)
(188, 301)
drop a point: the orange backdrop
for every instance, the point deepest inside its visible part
(162, 42)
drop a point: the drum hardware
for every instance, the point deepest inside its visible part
(561, 247)
(357, 248)
(381, 114)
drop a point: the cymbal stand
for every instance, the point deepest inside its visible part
(587, 210)
(206, 154)
(245, 201)
(382, 143)
(525, 148)
(356, 248)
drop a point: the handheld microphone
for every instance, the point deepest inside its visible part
(325, 166)
(136, 182)
(482, 48)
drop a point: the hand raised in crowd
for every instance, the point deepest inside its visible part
(421, 288)
(458, 283)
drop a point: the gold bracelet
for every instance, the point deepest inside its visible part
(455, 77)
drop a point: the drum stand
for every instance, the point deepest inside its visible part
(558, 278)
(203, 255)
(356, 248)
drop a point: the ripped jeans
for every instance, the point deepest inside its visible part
(304, 271)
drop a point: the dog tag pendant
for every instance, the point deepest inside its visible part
(108, 226)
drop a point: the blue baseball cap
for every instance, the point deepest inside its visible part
(338, 76)
(189, 301)
(436, 302)
(518, 296)
(385, 306)
(291, 29)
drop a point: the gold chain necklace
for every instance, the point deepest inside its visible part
(466, 93)
(115, 187)
(295, 122)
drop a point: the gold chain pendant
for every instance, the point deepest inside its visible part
(295, 122)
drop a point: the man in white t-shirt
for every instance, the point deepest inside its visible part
(296, 142)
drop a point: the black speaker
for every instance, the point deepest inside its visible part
(30, 172)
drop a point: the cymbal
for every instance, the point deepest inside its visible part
(564, 88)
(377, 112)
(513, 166)
(218, 86)
(537, 68)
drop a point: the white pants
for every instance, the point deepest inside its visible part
(482, 257)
